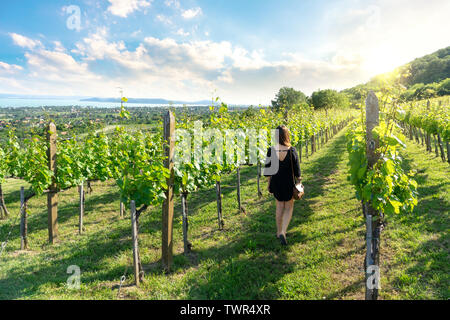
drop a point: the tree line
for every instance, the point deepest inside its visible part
(326, 99)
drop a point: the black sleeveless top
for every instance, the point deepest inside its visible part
(281, 183)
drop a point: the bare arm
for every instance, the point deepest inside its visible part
(297, 170)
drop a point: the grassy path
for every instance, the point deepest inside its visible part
(416, 248)
(324, 258)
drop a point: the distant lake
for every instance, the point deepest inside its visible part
(11, 102)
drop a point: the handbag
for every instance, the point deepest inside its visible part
(299, 189)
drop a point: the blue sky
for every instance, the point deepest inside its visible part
(242, 51)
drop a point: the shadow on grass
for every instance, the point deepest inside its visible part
(51, 269)
(38, 220)
(249, 265)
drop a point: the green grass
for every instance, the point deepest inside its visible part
(324, 259)
(419, 267)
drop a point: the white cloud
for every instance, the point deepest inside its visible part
(136, 33)
(50, 71)
(172, 3)
(244, 60)
(226, 77)
(58, 46)
(187, 70)
(192, 13)
(97, 47)
(57, 65)
(195, 55)
(6, 68)
(181, 32)
(123, 8)
(164, 19)
(24, 42)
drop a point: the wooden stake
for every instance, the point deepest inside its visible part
(441, 147)
(369, 260)
(448, 152)
(185, 222)
(81, 216)
(122, 210)
(436, 146)
(238, 172)
(316, 142)
(23, 221)
(134, 234)
(52, 196)
(300, 152)
(2, 202)
(167, 216)
(416, 134)
(428, 138)
(219, 205)
(258, 178)
(306, 147)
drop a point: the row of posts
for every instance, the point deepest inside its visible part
(424, 138)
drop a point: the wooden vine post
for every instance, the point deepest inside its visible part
(81, 216)
(448, 152)
(306, 148)
(238, 177)
(2, 203)
(258, 180)
(134, 234)
(167, 214)
(428, 136)
(441, 147)
(23, 221)
(184, 208)
(435, 146)
(300, 151)
(52, 196)
(219, 205)
(121, 210)
(238, 182)
(372, 120)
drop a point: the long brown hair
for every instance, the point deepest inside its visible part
(284, 136)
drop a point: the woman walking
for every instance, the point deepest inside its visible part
(281, 166)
